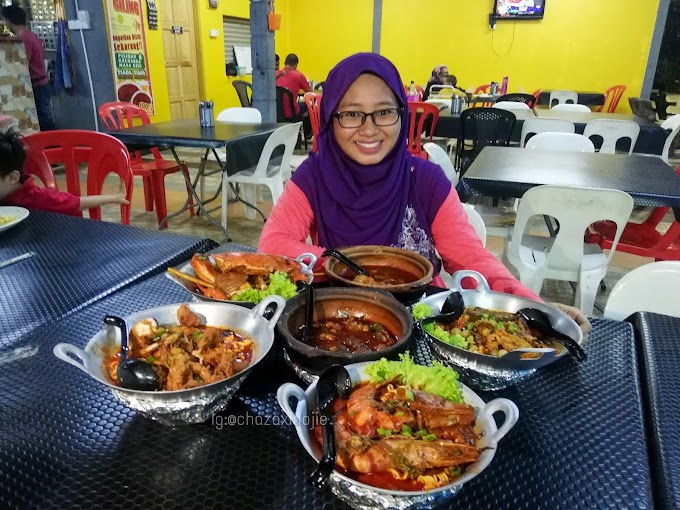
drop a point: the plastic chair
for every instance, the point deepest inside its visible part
(319, 86)
(236, 115)
(244, 91)
(611, 132)
(560, 142)
(313, 102)
(579, 108)
(439, 157)
(102, 153)
(672, 123)
(419, 112)
(484, 127)
(118, 115)
(537, 94)
(482, 89)
(267, 172)
(612, 96)
(511, 105)
(527, 99)
(541, 125)
(649, 288)
(475, 219)
(40, 168)
(436, 91)
(567, 257)
(562, 97)
(285, 110)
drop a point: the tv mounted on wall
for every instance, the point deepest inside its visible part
(518, 9)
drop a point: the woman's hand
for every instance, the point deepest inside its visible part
(575, 314)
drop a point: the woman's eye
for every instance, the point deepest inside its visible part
(385, 113)
(351, 114)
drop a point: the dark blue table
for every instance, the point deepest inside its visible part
(77, 261)
(658, 341)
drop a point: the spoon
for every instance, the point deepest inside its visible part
(334, 382)
(133, 373)
(539, 321)
(345, 260)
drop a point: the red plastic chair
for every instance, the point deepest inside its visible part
(118, 115)
(41, 169)
(612, 97)
(482, 89)
(425, 110)
(102, 153)
(313, 101)
(641, 239)
(537, 94)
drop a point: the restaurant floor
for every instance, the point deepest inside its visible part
(247, 232)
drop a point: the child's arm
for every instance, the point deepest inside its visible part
(98, 200)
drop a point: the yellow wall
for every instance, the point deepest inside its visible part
(580, 44)
(159, 80)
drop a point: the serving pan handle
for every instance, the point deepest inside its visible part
(310, 264)
(261, 308)
(509, 410)
(482, 284)
(66, 351)
(285, 393)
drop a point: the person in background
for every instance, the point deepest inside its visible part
(15, 17)
(440, 76)
(363, 187)
(18, 189)
(277, 62)
(290, 78)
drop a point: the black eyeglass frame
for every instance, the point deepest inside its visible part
(365, 115)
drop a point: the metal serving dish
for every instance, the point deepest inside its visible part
(306, 268)
(361, 496)
(193, 405)
(484, 372)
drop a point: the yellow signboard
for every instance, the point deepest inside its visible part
(128, 53)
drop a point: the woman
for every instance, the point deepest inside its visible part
(364, 187)
(440, 76)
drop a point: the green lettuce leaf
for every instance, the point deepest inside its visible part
(279, 284)
(420, 311)
(456, 340)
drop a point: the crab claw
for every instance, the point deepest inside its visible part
(213, 293)
(203, 267)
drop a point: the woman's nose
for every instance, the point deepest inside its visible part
(369, 126)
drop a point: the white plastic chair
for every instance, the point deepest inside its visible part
(266, 173)
(560, 142)
(611, 132)
(541, 125)
(649, 288)
(563, 97)
(566, 256)
(475, 219)
(439, 156)
(511, 105)
(448, 91)
(580, 108)
(672, 123)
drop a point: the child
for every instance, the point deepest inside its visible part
(18, 189)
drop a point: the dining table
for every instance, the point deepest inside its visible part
(76, 261)
(508, 172)
(67, 442)
(243, 144)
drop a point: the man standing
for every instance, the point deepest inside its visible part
(15, 18)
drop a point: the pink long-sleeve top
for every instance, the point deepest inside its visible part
(292, 220)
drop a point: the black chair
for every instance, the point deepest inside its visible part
(527, 99)
(319, 86)
(285, 97)
(483, 127)
(245, 92)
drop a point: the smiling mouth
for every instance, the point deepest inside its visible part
(369, 147)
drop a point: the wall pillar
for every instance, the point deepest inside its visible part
(262, 55)
(377, 23)
(654, 49)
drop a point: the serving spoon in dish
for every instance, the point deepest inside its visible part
(538, 320)
(133, 373)
(346, 260)
(334, 382)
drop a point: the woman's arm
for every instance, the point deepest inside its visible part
(289, 224)
(460, 248)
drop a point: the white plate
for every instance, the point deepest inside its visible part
(9, 210)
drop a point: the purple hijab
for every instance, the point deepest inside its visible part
(357, 204)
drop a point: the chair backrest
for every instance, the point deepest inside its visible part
(575, 209)
(442, 90)
(563, 97)
(417, 124)
(560, 142)
(611, 132)
(439, 157)
(313, 102)
(487, 126)
(482, 89)
(527, 99)
(244, 91)
(40, 168)
(285, 105)
(119, 115)
(240, 115)
(286, 136)
(319, 86)
(611, 98)
(581, 108)
(649, 288)
(511, 105)
(102, 153)
(537, 94)
(476, 221)
(541, 125)
(672, 123)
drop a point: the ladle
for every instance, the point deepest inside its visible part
(133, 373)
(345, 260)
(539, 320)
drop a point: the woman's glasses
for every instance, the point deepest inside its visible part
(386, 117)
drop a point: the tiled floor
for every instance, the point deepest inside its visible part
(247, 232)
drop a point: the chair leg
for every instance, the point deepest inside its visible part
(159, 196)
(276, 187)
(249, 194)
(147, 184)
(225, 199)
(585, 294)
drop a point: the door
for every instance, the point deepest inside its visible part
(179, 43)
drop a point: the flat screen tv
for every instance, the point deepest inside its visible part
(518, 9)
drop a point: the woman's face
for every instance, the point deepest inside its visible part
(367, 144)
